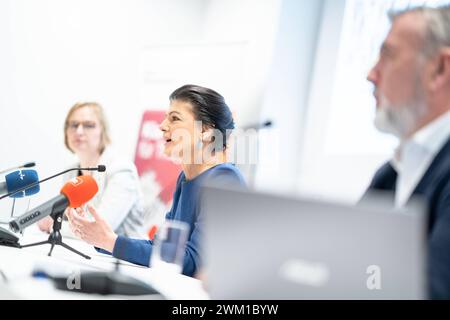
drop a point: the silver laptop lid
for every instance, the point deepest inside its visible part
(261, 246)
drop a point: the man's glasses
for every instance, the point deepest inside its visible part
(87, 125)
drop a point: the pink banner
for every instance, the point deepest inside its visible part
(153, 166)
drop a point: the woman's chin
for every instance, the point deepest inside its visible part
(81, 150)
(167, 152)
(175, 159)
(173, 156)
(77, 150)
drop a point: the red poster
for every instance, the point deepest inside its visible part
(157, 172)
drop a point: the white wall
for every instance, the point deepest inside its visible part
(231, 53)
(287, 93)
(255, 23)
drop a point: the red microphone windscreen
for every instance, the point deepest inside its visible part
(80, 190)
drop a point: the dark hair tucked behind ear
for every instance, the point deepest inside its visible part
(209, 107)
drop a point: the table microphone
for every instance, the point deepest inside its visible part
(258, 126)
(18, 180)
(74, 194)
(99, 168)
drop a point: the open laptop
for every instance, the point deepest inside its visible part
(262, 246)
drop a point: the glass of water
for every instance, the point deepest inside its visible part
(169, 247)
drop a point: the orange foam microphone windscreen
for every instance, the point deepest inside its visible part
(79, 190)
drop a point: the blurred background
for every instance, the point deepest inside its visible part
(301, 64)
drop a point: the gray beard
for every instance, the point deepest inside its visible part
(399, 121)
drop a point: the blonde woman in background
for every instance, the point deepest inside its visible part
(120, 198)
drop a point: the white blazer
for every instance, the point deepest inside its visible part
(119, 199)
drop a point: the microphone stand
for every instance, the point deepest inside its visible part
(55, 237)
(13, 206)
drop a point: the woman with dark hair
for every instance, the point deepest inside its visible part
(196, 129)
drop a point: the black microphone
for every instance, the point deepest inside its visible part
(29, 165)
(259, 126)
(26, 165)
(99, 168)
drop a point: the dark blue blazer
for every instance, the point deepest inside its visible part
(187, 207)
(435, 188)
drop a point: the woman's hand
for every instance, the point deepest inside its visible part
(97, 233)
(46, 224)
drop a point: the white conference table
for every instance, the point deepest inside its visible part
(18, 265)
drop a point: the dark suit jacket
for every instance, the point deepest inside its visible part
(435, 188)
